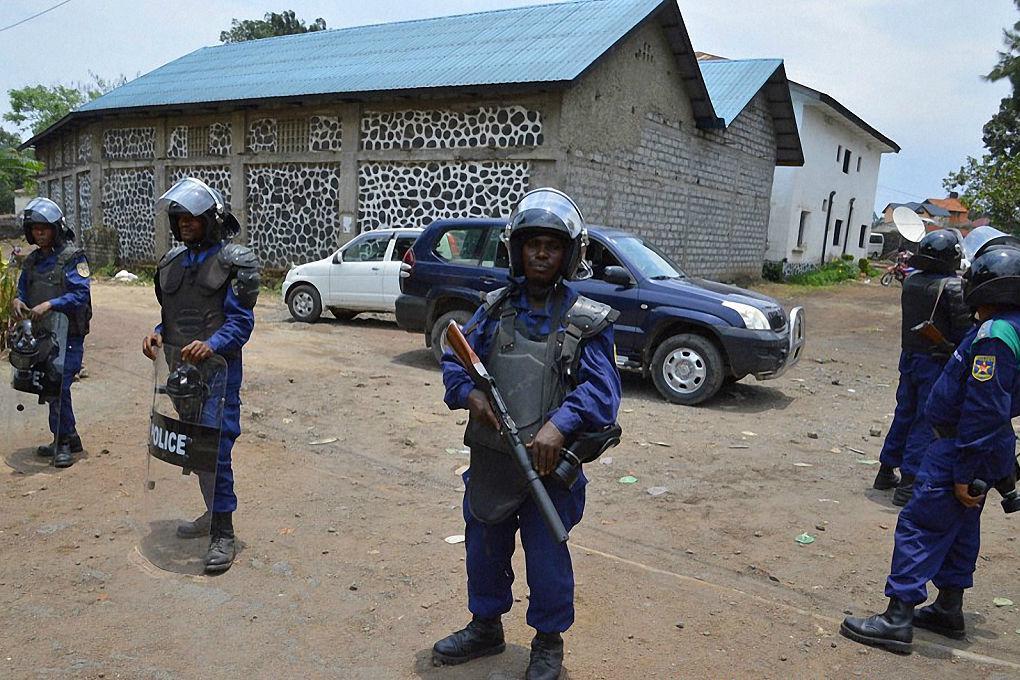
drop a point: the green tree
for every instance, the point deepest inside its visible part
(991, 184)
(36, 107)
(273, 24)
(17, 169)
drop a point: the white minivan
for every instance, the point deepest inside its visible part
(362, 276)
(876, 245)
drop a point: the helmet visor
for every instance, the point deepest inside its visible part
(557, 203)
(191, 194)
(981, 238)
(42, 211)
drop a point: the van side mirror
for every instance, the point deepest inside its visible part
(618, 276)
(338, 258)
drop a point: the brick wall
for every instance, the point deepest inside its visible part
(701, 196)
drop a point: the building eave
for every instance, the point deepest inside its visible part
(842, 110)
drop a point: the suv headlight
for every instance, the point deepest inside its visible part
(753, 318)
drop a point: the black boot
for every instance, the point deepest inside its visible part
(546, 657)
(63, 458)
(200, 527)
(73, 442)
(904, 492)
(945, 615)
(221, 546)
(481, 637)
(892, 630)
(886, 478)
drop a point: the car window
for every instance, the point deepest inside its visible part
(371, 248)
(599, 257)
(876, 238)
(460, 246)
(494, 253)
(403, 244)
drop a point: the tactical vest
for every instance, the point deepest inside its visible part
(192, 297)
(40, 287)
(534, 376)
(921, 300)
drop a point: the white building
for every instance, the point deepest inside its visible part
(824, 209)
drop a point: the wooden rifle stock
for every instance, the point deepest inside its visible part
(931, 333)
(467, 358)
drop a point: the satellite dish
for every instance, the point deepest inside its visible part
(908, 223)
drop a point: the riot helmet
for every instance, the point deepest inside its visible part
(982, 238)
(993, 278)
(194, 197)
(188, 390)
(938, 251)
(44, 211)
(551, 212)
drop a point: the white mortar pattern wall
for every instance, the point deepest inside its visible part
(325, 133)
(219, 139)
(416, 194)
(262, 135)
(498, 127)
(85, 201)
(125, 143)
(128, 207)
(704, 198)
(292, 211)
(177, 143)
(85, 148)
(69, 204)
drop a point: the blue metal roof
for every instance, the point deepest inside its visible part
(931, 208)
(546, 43)
(732, 84)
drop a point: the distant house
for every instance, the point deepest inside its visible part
(926, 211)
(959, 216)
(824, 210)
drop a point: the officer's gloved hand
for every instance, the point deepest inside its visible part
(481, 410)
(545, 448)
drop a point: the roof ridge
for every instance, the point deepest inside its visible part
(414, 21)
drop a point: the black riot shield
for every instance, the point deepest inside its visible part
(30, 401)
(180, 463)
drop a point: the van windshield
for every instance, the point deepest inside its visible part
(648, 259)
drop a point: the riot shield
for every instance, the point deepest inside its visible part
(180, 461)
(31, 400)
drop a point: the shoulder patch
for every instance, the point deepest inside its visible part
(983, 368)
(83, 269)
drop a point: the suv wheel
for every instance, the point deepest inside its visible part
(439, 327)
(687, 369)
(304, 304)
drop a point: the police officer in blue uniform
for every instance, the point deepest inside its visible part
(931, 294)
(970, 408)
(207, 289)
(520, 333)
(55, 278)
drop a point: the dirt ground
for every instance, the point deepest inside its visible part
(345, 572)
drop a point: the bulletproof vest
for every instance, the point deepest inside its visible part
(918, 302)
(192, 297)
(41, 287)
(533, 375)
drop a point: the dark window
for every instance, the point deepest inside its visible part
(835, 233)
(825, 204)
(371, 248)
(494, 252)
(599, 258)
(839, 153)
(864, 232)
(461, 246)
(402, 246)
(858, 163)
(846, 162)
(804, 215)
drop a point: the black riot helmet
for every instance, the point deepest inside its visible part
(546, 211)
(939, 251)
(194, 197)
(993, 278)
(44, 211)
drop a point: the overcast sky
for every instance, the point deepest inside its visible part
(911, 68)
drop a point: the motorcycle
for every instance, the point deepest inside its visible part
(898, 270)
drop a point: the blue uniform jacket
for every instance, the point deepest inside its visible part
(77, 293)
(977, 394)
(228, 340)
(591, 406)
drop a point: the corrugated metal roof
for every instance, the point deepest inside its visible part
(732, 84)
(545, 43)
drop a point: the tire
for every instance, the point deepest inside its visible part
(341, 314)
(439, 327)
(687, 369)
(886, 279)
(304, 304)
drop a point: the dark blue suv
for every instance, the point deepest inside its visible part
(688, 335)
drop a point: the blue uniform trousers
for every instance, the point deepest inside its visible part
(549, 570)
(218, 492)
(910, 433)
(61, 412)
(937, 538)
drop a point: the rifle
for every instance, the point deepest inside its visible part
(930, 332)
(467, 358)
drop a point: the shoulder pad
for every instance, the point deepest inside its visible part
(494, 298)
(1002, 330)
(239, 256)
(172, 255)
(590, 317)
